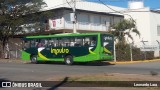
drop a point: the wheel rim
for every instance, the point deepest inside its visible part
(34, 59)
(68, 61)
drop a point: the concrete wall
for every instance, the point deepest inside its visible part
(146, 22)
(142, 19)
(154, 22)
(85, 21)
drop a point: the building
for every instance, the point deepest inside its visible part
(95, 17)
(91, 17)
(147, 22)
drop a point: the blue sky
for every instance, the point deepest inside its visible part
(153, 4)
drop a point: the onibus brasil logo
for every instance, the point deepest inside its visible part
(20, 84)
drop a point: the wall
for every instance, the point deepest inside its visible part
(142, 19)
(90, 21)
(147, 22)
(155, 21)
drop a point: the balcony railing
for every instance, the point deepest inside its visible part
(86, 26)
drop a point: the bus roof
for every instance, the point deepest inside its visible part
(63, 35)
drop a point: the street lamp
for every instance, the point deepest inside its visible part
(158, 46)
(144, 45)
(131, 51)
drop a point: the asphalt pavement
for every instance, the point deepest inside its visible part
(43, 72)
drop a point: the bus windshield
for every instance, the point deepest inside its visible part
(108, 43)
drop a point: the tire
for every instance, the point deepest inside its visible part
(33, 59)
(68, 60)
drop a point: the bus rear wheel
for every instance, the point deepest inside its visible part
(68, 60)
(33, 59)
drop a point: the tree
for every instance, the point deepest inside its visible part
(16, 13)
(124, 29)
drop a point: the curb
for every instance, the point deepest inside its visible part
(132, 62)
(12, 61)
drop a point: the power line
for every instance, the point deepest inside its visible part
(74, 14)
(63, 4)
(115, 10)
(69, 3)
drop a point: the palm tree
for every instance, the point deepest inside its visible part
(124, 29)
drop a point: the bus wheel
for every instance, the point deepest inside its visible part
(33, 59)
(68, 60)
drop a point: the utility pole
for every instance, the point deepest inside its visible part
(144, 46)
(131, 51)
(158, 47)
(115, 60)
(74, 13)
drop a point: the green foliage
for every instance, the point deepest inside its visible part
(124, 29)
(17, 13)
(13, 14)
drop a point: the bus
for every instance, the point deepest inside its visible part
(69, 48)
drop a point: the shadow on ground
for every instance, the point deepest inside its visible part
(59, 84)
(95, 63)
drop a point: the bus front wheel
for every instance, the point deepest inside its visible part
(33, 59)
(68, 60)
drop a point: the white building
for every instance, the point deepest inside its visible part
(91, 17)
(148, 23)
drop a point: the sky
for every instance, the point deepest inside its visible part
(153, 4)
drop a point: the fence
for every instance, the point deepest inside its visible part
(16, 54)
(130, 52)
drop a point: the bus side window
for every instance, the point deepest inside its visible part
(46, 43)
(86, 41)
(51, 42)
(93, 41)
(72, 41)
(56, 42)
(86, 44)
(43, 43)
(78, 42)
(36, 42)
(33, 43)
(26, 44)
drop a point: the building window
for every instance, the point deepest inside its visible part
(158, 30)
(83, 18)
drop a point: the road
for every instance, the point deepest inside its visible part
(43, 72)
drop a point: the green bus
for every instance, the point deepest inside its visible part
(69, 47)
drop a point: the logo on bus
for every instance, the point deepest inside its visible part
(108, 38)
(59, 51)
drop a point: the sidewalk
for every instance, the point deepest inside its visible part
(131, 62)
(13, 61)
(112, 62)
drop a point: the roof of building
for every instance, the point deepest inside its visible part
(87, 6)
(156, 11)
